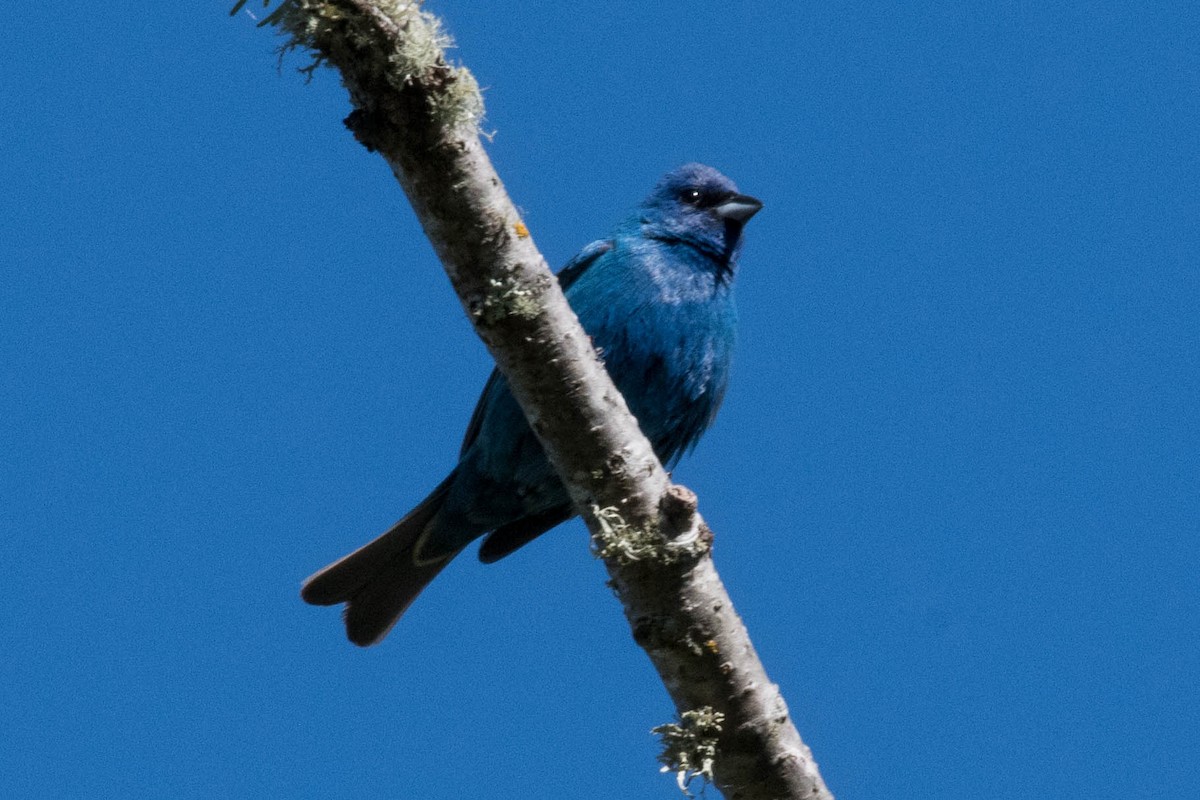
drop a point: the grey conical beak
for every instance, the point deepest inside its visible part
(739, 208)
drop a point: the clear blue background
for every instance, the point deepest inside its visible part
(955, 483)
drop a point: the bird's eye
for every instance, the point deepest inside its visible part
(691, 197)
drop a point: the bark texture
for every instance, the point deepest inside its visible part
(421, 114)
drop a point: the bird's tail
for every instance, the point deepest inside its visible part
(379, 580)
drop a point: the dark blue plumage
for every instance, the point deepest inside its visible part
(657, 299)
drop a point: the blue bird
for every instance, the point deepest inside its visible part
(657, 299)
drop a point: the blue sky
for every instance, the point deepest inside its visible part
(954, 484)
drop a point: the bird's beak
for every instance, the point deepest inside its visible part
(739, 208)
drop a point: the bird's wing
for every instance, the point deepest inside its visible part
(477, 416)
(566, 276)
(582, 260)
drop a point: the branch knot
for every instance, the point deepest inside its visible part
(675, 536)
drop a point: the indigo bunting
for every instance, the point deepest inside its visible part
(657, 299)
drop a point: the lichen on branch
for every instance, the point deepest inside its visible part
(690, 746)
(414, 56)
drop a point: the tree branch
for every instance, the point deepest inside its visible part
(421, 114)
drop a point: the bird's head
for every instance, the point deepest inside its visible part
(699, 206)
